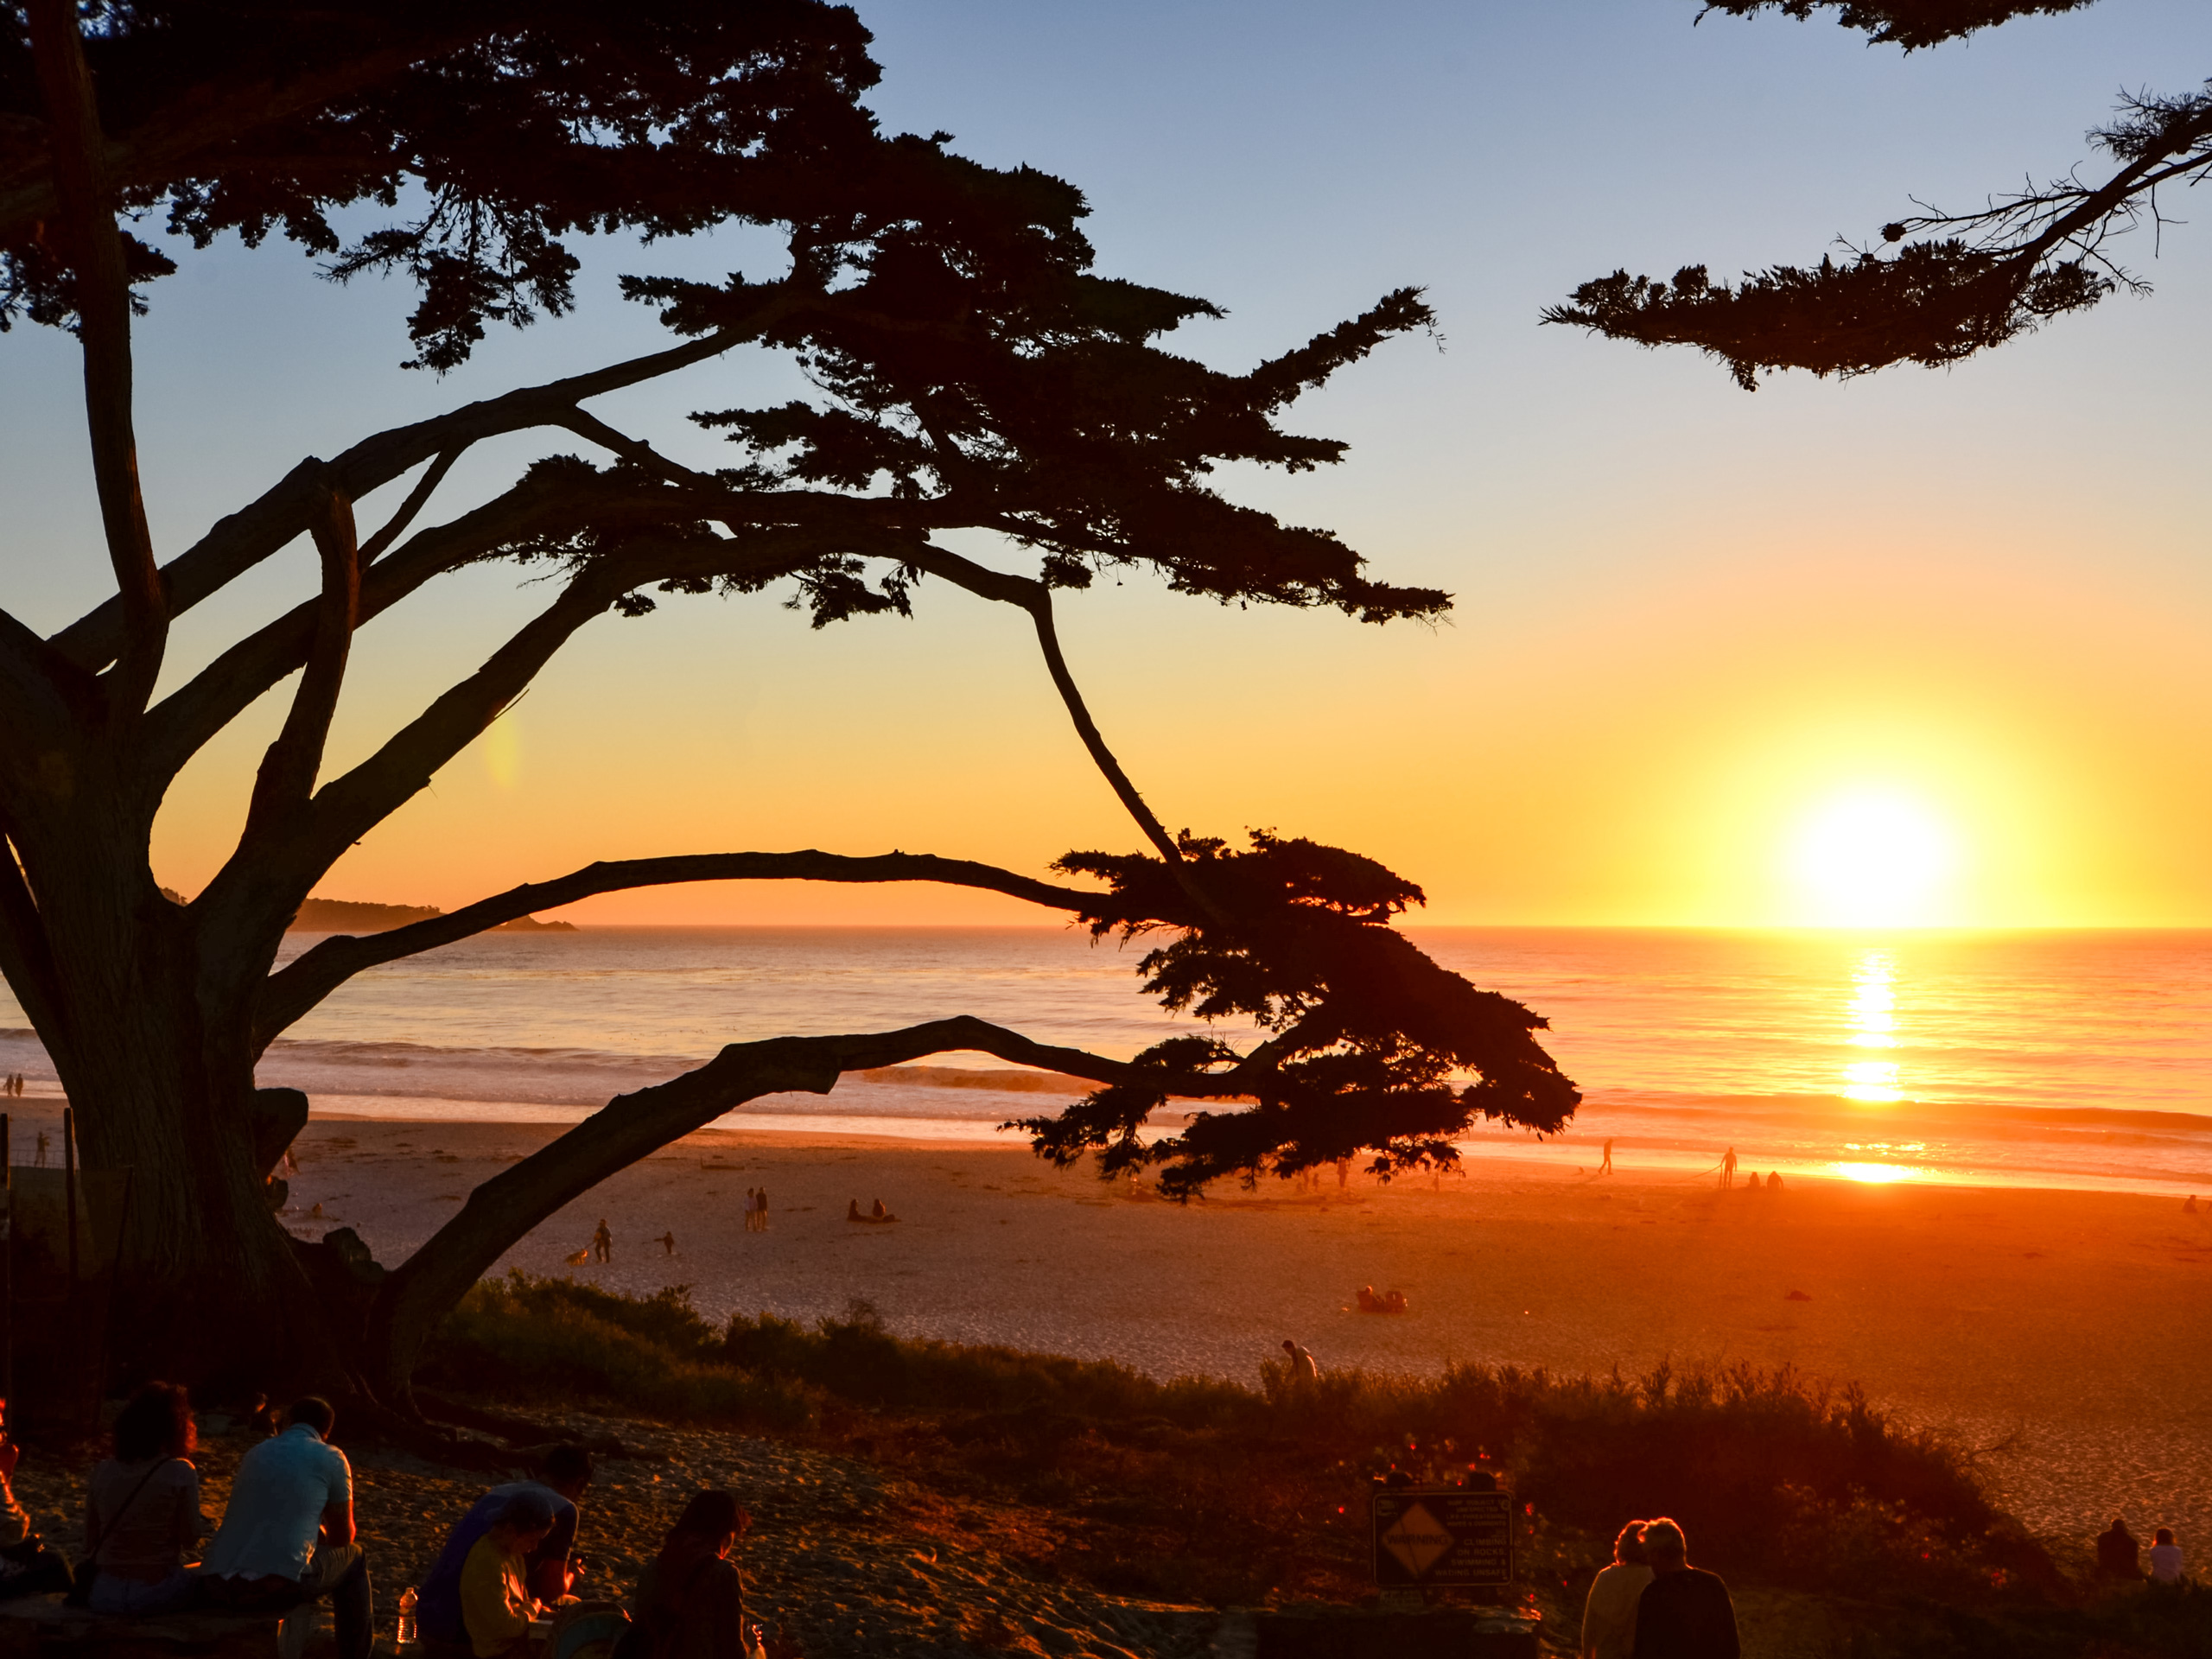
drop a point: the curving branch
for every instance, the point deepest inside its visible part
(287, 770)
(288, 994)
(417, 497)
(27, 955)
(237, 543)
(416, 1294)
(86, 213)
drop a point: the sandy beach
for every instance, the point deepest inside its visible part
(2061, 1331)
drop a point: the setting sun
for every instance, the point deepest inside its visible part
(1873, 858)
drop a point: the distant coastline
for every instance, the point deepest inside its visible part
(350, 916)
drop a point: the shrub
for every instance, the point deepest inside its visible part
(551, 1338)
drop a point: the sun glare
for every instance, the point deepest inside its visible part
(1872, 858)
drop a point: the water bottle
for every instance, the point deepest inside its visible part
(407, 1600)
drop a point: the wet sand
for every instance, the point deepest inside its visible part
(2066, 1331)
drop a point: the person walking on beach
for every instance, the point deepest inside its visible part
(1607, 1168)
(1728, 1169)
(602, 1242)
(1302, 1368)
(668, 1242)
(1609, 1615)
(748, 1209)
(1684, 1613)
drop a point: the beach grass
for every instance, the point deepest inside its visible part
(1205, 1489)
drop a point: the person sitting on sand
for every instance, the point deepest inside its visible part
(2119, 1553)
(1752, 1183)
(1774, 1181)
(1684, 1613)
(547, 1574)
(142, 1508)
(1609, 1615)
(288, 1531)
(1394, 1301)
(45, 1571)
(496, 1604)
(1369, 1302)
(1302, 1368)
(879, 1213)
(2165, 1556)
(690, 1601)
(853, 1210)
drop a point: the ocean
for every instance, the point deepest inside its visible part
(2062, 1059)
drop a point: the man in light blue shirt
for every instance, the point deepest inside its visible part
(288, 1535)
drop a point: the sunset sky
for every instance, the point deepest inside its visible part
(1710, 647)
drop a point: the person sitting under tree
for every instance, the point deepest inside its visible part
(548, 1573)
(496, 1604)
(288, 1531)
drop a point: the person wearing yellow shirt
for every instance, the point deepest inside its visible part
(496, 1605)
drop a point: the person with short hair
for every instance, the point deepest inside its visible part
(2120, 1555)
(2165, 1556)
(1684, 1613)
(547, 1573)
(288, 1533)
(496, 1604)
(691, 1598)
(1609, 1615)
(142, 1508)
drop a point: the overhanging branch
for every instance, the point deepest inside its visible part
(501, 1212)
(237, 543)
(291, 992)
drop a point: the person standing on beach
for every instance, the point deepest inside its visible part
(1607, 1168)
(748, 1209)
(602, 1242)
(668, 1242)
(1728, 1169)
(1609, 1615)
(1684, 1613)
(760, 1210)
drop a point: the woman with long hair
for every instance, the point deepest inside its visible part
(142, 1507)
(691, 1599)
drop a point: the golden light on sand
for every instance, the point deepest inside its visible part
(1873, 858)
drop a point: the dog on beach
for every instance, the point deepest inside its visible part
(579, 1258)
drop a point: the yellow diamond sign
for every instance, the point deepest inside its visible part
(1417, 1539)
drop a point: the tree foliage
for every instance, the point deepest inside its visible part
(974, 375)
(1936, 287)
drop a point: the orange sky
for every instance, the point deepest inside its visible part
(1688, 615)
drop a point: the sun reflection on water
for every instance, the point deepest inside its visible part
(1873, 1025)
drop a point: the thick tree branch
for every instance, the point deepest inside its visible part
(94, 248)
(26, 956)
(288, 770)
(237, 543)
(499, 1213)
(289, 993)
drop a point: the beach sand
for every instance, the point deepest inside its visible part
(2067, 1332)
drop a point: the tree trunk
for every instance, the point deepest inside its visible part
(155, 1060)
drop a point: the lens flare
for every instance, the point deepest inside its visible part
(1873, 858)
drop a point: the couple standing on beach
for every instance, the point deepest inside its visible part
(1652, 1604)
(756, 1210)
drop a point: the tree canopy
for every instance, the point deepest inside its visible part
(974, 374)
(1933, 287)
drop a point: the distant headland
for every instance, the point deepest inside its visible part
(345, 916)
